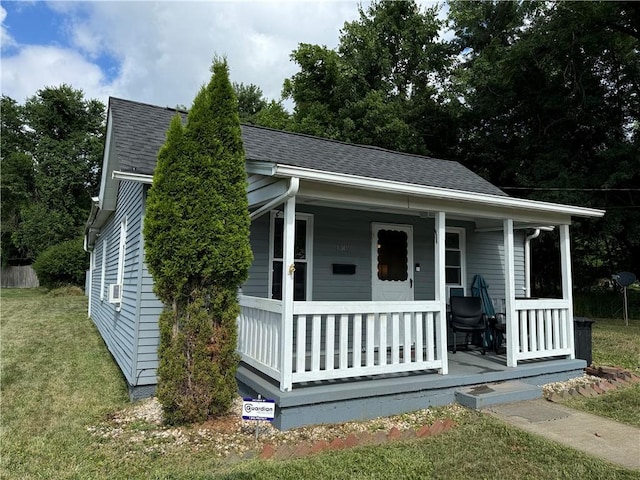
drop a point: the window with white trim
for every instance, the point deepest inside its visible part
(454, 261)
(122, 250)
(303, 244)
(103, 268)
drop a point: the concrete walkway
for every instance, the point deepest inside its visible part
(607, 439)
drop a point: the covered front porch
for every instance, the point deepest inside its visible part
(350, 340)
(347, 299)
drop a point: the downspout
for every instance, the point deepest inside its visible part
(292, 191)
(527, 262)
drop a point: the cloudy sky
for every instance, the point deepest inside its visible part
(158, 52)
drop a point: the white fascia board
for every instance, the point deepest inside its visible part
(132, 177)
(107, 164)
(433, 192)
(261, 168)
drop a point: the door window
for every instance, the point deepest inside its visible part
(392, 255)
(301, 249)
(454, 259)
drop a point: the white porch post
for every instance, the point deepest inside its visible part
(288, 268)
(567, 294)
(510, 293)
(440, 290)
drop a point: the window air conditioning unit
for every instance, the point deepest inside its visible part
(115, 293)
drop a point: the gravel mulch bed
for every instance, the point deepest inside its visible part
(140, 428)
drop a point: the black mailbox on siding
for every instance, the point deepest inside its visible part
(344, 269)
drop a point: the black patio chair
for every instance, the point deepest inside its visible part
(498, 326)
(466, 316)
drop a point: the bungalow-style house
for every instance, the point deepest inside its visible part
(357, 252)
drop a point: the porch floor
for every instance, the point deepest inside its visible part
(361, 398)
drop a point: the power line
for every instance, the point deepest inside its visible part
(558, 189)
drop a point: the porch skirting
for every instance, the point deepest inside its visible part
(366, 398)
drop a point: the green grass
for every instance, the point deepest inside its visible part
(615, 344)
(57, 379)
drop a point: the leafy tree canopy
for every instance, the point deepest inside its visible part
(550, 111)
(382, 86)
(51, 158)
(255, 109)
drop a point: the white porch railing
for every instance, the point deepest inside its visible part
(334, 340)
(544, 328)
(259, 331)
(349, 339)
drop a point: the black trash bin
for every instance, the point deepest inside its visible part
(582, 338)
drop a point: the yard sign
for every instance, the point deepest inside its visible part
(258, 409)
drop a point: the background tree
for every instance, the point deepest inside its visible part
(197, 248)
(18, 184)
(383, 85)
(51, 159)
(255, 109)
(550, 112)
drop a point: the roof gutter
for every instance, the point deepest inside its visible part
(292, 191)
(344, 179)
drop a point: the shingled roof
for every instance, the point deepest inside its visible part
(139, 130)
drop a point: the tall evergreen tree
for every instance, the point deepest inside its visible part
(197, 243)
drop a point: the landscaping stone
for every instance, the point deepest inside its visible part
(284, 452)
(379, 438)
(423, 431)
(394, 434)
(337, 444)
(318, 447)
(437, 427)
(351, 440)
(267, 452)
(301, 450)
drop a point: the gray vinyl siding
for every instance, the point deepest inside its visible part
(119, 329)
(485, 256)
(345, 237)
(131, 335)
(149, 310)
(342, 236)
(257, 284)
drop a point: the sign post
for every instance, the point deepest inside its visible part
(258, 409)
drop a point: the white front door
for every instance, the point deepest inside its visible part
(392, 262)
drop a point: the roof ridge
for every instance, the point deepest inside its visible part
(147, 104)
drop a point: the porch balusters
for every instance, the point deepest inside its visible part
(544, 328)
(349, 339)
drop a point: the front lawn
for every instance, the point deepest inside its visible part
(615, 344)
(59, 381)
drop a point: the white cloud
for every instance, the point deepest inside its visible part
(36, 67)
(164, 49)
(6, 40)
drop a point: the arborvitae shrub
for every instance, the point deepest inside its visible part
(197, 249)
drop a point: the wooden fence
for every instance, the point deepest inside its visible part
(19, 277)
